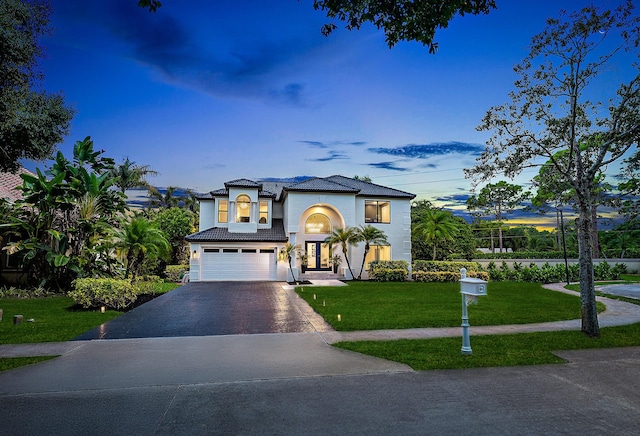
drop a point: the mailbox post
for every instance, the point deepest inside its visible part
(470, 289)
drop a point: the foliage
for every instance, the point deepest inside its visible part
(176, 272)
(446, 276)
(170, 199)
(32, 121)
(65, 218)
(114, 293)
(401, 20)
(528, 255)
(389, 270)
(138, 239)
(497, 199)
(550, 112)
(369, 235)
(22, 293)
(423, 248)
(448, 266)
(435, 227)
(344, 238)
(176, 223)
(129, 175)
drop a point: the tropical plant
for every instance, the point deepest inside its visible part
(370, 235)
(137, 239)
(176, 223)
(129, 175)
(343, 237)
(286, 254)
(436, 226)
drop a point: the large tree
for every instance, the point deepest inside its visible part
(129, 175)
(436, 227)
(497, 199)
(370, 235)
(551, 110)
(32, 121)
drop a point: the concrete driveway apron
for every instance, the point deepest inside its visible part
(206, 309)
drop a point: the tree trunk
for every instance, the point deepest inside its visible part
(594, 227)
(589, 310)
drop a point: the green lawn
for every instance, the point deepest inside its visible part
(498, 350)
(373, 305)
(54, 319)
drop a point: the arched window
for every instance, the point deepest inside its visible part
(317, 224)
(243, 209)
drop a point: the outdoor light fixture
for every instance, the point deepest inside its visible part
(194, 255)
(103, 309)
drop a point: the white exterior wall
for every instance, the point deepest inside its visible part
(194, 264)
(207, 214)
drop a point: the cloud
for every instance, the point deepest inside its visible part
(254, 69)
(333, 144)
(387, 166)
(333, 155)
(424, 151)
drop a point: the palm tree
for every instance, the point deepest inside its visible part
(344, 237)
(435, 226)
(166, 201)
(137, 239)
(286, 254)
(128, 175)
(369, 235)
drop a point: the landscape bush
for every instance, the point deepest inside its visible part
(445, 266)
(175, 272)
(446, 276)
(522, 255)
(389, 270)
(23, 294)
(113, 293)
(146, 284)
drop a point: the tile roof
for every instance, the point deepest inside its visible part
(332, 184)
(369, 189)
(222, 234)
(8, 184)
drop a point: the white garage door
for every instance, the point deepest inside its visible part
(238, 264)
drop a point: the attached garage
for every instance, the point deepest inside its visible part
(219, 264)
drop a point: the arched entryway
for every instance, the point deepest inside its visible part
(318, 223)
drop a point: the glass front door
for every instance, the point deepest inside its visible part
(318, 256)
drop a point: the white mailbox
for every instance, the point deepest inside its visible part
(473, 286)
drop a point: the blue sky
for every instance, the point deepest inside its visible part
(210, 91)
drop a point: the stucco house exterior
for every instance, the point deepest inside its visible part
(244, 225)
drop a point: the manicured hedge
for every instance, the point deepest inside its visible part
(446, 276)
(113, 293)
(389, 270)
(445, 266)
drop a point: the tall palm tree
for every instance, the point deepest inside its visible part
(435, 226)
(128, 175)
(137, 239)
(286, 254)
(369, 235)
(343, 237)
(163, 201)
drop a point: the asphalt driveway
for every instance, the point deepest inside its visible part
(206, 309)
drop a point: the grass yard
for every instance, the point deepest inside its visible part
(489, 351)
(54, 319)
(375, 306)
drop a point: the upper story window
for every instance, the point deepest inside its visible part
(317, 223)
(243, 209)
(377, 211)
(264, 212)
(223, 211)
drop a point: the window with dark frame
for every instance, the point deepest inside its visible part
(377, 212)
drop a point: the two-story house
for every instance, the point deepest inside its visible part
(245, 224)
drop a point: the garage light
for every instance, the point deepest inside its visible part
(194, 255)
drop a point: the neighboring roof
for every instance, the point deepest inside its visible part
(9, 182)
(334, 184)
(222, 234)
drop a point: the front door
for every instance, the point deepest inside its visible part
(318, 256)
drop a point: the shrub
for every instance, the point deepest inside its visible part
(527, 255)
(175, 272)
(389, 270)
(113, 293)
(23, 294)
(446, 276)
(146, 284)
(445, 266)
